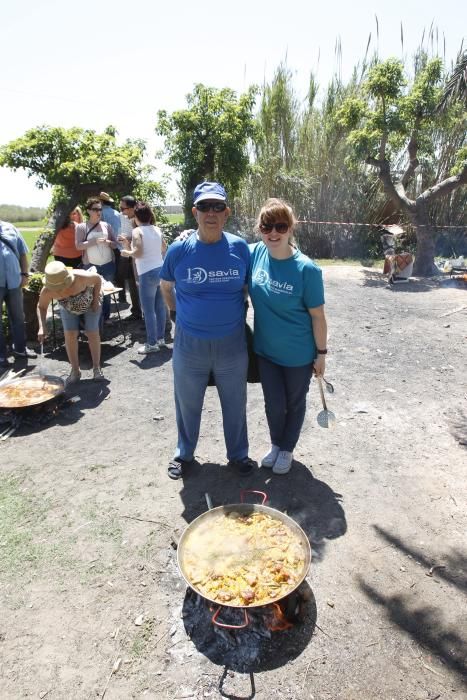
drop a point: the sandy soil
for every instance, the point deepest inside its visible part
(92, 601)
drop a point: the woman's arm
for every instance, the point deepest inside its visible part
(136, 247)
(95, 281)
(320, 334)
(43, 304)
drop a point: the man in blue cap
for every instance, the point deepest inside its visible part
(209, 271)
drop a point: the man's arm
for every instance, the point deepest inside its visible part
(133, 249)
(24, 269)
(168, 292)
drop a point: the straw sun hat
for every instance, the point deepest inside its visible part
(104, 197)
(57, 276)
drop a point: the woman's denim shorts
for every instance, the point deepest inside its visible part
(70, 322)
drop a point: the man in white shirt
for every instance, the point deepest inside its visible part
(126, 270)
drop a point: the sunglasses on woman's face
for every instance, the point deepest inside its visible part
(95, 209)
(280, 228)
(211, 206)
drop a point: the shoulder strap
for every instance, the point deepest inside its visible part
(91, 229)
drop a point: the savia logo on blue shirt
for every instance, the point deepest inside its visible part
(198, 275)
(261, 277)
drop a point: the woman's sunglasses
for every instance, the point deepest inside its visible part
(95, 209)
(208, 206)
(280, 228)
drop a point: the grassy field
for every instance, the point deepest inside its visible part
(29, 224)
(175, 218)
(29, 237)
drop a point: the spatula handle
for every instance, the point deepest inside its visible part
(320, 384)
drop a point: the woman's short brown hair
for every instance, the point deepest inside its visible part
(275, 211)
(92, 201)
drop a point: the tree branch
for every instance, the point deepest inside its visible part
(412, 149)
(442, 189)
(384, 137)
(395, 191)
(382, 148)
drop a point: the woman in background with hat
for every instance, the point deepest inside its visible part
(78, 293)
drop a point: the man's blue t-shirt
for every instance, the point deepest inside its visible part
(209, 280)
(282, 291)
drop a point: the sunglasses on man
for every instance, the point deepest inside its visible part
(280, 228)
(211, 206)
(95, 209)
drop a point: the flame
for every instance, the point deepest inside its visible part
(276, 620)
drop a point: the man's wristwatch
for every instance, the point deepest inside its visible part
(322, 352)
(25, 274)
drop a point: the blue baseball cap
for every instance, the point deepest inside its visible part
(209, 190)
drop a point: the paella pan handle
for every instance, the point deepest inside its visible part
(230, 627)
(243, 492)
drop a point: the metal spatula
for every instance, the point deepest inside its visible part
(325, 418)
(40, 367)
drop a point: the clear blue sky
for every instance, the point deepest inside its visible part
(91, 64)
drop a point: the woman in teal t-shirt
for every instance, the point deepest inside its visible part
(286, 289)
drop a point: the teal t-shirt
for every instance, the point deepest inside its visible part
(282, 291)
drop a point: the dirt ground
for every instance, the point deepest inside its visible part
(92, 601)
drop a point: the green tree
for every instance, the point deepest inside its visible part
(300, 155)
(394, 125)
(209, 140)
(78, 163)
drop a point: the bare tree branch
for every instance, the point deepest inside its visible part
(412, 149)
(442, 189)
(395, 191)
(382, 148)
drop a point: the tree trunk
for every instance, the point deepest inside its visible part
(45, 241)
(31, 322)
(190, 221)
(424, 265)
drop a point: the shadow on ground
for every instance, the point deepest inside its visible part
(453, 568)
(458, 427)
(424, 623)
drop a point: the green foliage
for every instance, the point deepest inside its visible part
(421, 101)
(209, 139)
(389, 108)
(460, 162)
(35, 282)
(79, 163)
(385, 80)
(351, 112)
(78, 160)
